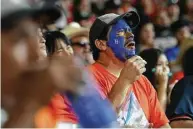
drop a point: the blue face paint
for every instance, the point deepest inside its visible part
(116, 40)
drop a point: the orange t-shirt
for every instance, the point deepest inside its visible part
(62, 109)
(143, 90)
(59, 110)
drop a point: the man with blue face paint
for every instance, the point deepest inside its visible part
(118, 72)
(119, 37)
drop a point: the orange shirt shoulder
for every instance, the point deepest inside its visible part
(62, 109)
(143, 90)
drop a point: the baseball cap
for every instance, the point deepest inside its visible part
(101, 23)
(14, 10)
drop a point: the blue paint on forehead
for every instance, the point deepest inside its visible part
(121, 24)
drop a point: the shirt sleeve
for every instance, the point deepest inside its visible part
(62, 110)
(157, 115)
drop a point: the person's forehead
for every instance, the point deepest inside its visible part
(60, 43)
(121, 24)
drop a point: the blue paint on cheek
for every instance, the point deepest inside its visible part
(117, 43)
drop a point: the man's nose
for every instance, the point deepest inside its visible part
(129, 35)
(42, 40)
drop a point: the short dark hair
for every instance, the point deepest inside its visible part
(95, 50)
(187, 62)
(51, 37)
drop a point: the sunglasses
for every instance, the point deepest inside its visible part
(81, 44)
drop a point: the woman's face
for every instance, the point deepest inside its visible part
(61, 47)
(147, 34)
(163, 64)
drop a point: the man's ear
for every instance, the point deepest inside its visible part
(101, 44)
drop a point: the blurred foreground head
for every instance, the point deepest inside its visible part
(20, 37)
(19, 24)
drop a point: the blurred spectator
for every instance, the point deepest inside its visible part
(42, 46)
(82, 13)
(25, 78)
(173, 11)
(148, 7)
(59, 112)
(180, 110)
(164, 37)
(146, 36)
(181, 31)
(57, 42)
(188, 16)
(67, 8)
(162, 18)
(62, 21)
(80, 43)
(98, 7)
(127, 5)
(187, 43)
(21, 85)
(113, 6)
(157, 72)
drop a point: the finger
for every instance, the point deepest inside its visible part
(140, 63)
(166, 70)
(134, 58)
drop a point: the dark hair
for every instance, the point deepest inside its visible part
(51, 37)
(187, 62)
(94, 49)
(151, 56)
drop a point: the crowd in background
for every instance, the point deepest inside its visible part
(160, 36)
(163, 39)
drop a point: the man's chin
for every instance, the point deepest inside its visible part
(130, 54)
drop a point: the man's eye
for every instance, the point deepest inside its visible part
(121, 33)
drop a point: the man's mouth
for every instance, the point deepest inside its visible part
(130, 44)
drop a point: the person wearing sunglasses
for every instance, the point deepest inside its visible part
(79, 40)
